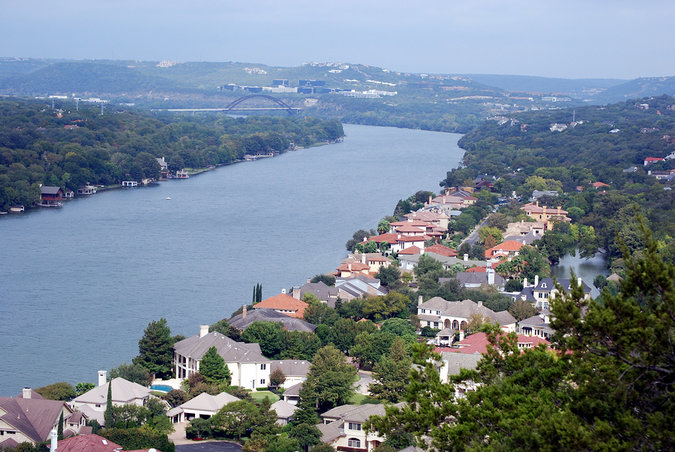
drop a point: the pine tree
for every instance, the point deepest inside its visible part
(391, 373)
(60, 427)
(155, 349)
(213, 367)
(108, 415)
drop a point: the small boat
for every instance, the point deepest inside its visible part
(17, 209)
(168, 198)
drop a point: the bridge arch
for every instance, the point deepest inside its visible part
(279, 102)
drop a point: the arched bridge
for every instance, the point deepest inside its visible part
(235, 106)
(282, 105)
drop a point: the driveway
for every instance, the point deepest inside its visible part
(365, 380)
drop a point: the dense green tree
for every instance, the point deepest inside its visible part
(226, 329)
(329, 381)
(176, 397)
(267, 334)
(57, 391)
(321, 313)
(155, 349)
(306, 435)
(388, 276)
(132, 372)
(328, 280)
(609, 386)
(213, 367)
(390, 374)
(83, 387)
(522, 309)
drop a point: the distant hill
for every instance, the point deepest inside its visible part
(526, 83)
(84, 78)
(355, 93)
(638, 88)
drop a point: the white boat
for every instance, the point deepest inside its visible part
(17, 209)
(168, 198)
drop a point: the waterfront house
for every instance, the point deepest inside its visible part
(284, 304)
(440, 313)
(508, 248)
(538, 326)
(29, 418)
(50, 195)
(544, 290)
(325, 293)
(124, 392)
(248, 367)
(246, 318)
(352, 269)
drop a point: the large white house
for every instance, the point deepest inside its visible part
(439, 313)
(248, 367)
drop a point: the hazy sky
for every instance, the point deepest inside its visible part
(564, 38)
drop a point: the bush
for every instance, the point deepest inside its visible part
(138, 438)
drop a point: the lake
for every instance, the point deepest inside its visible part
(79, 284)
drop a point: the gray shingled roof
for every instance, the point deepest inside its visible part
(49, 190)
(478, 278)
(232, 351)
(330, 432)
(291, 367)
(208, 402)
(322, 291)
(283, 409)
(293, 390)
(270, 315)
(123, 391)
(355, 413)
(465, 309)
(457, 361)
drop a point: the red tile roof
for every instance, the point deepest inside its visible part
(507, 246)
(599, 184)
(442, 250)
(284, 302)
(389, 237)
(478, 343)
(411, 238)
(410, 251)
(87, 443)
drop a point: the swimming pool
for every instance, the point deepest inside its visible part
(162, 388)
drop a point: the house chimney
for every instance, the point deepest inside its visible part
(363, 258)
(480, 303)
(536, 280)
(524, 282)
(203, 330)
(54, 437)
(243, 312)
(26, 393)
(420, 300)
(102, 377)
(466, 257)
(490, 276)
(283, 291)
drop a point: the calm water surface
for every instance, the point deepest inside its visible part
(78, 285)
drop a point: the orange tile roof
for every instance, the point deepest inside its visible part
(410, 238)
(353, 267)
(509, 245)
(410, 251)
(442, 250)
(478, 343)
(284, 302)
(389, 237)
(599, 184)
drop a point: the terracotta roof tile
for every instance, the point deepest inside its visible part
(284, 302)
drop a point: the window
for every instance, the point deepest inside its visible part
(354, 426)
(263, 366)
(262, 381)
(543, 285)
(354, 442)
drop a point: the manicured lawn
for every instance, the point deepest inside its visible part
(360, 399)
(260, 395)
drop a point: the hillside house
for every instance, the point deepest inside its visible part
(343, 427)
(248, 367)
(284, 304)
(439, 313)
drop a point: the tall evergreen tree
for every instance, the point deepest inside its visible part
(108, 414)
(391, 373)
(59, 430)
(213, 367)
(155, 349)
